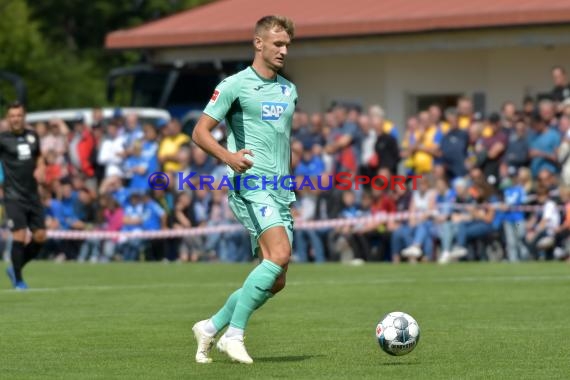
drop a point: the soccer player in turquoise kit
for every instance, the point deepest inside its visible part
(258, 106)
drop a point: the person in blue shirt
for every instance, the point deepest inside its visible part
(139, 167)
(149, 147)
(114, 187)
(51, 205)
(133, 132)
(543, 147)
(513, 220)
(66, 210)
(154, 216)
(311, 163)
(133, 218)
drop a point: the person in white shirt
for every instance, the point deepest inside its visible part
(111, 152)
(542, 226)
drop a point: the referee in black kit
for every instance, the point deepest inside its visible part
(22, 161)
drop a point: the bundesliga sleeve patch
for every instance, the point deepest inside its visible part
(215, 96)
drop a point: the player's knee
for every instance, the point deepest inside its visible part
(281, 254)
(39, 236)
(19, 235)
(275, 246)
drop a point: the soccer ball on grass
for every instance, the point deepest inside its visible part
(398, 333)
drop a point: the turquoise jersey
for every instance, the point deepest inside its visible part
(258, 113)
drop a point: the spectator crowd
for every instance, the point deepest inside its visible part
(493, 187)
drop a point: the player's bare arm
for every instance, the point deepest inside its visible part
(40, 169)
(202, 136)
(343, 142)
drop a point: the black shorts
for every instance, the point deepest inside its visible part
(22, 214)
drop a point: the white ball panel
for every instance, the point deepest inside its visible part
(388, 321)
(410, 319)
(390, 333)
(413, 330)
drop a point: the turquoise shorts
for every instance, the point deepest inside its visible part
(258, 212)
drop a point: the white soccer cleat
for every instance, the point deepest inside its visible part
(205, 343)
(412, 251)
(235, 349)
(445, 257)
(546, 242)
(459, 252)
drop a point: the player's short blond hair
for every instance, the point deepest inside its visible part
(281, 22)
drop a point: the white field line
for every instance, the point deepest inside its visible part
(379, 281)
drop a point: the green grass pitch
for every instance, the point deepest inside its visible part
(133, 321)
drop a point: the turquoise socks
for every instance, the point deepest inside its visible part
(222, 318)
(263, 276)
(255, 292)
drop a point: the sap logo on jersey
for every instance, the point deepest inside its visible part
(272, 111)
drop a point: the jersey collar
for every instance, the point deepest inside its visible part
(21, 133)
(262, 78)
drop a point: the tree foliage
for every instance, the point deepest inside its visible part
(57, 46)
(83, 24)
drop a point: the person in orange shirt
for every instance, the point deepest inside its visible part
(409, 141)
(426, 147)
(441, 127)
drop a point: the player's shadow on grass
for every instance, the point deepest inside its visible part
(290, 358)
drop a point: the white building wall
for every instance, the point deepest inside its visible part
(513, 73)
(322, 80)
(390, 79)
(503, 64)
(430, 74)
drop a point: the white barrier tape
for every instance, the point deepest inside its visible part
(501, 207)
(198, 231)
(381, 217)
